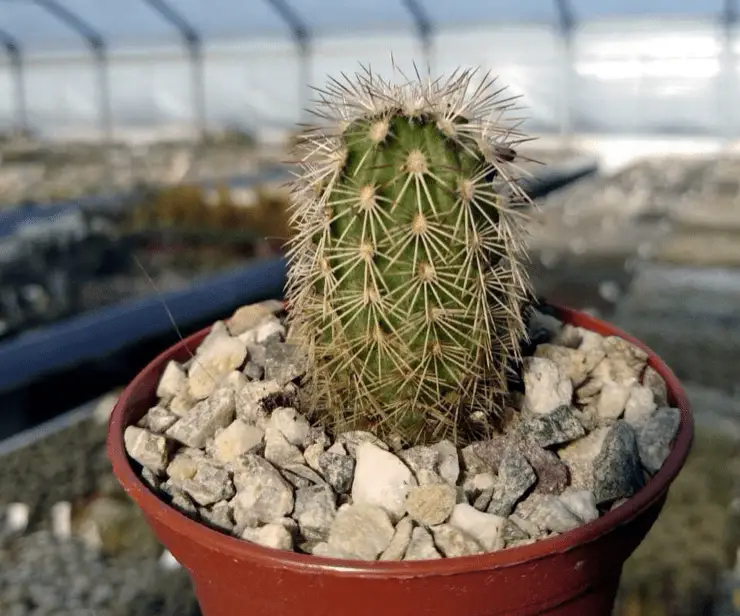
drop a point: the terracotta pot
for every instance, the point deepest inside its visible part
(574, 574)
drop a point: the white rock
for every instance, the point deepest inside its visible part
(249, 400)
(546, 387)
(581, 503)
(612, 399)
(250, 316)
(168, 562)
(640, 405)
(485, 528)
(158, 419)
(381, 479)
(269, 328)
(236, 439)
(270, 536)
(361, 529)
(572, 362)
(338, 449)
(453, 542)
(213, 363)
(279, 451)
(182, 403)
(234, 380)
(293, 426)
(61, 520)
(449, 462)
(315, 509)
(400, 541)
(312, 454)
(261, 491)
(421, 546)
(173, 381)
(16, 517)
(149, 450)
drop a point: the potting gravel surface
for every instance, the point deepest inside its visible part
(228, 445)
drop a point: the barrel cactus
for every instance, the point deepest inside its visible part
(406, 280)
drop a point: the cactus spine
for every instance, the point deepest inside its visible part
(405, 282)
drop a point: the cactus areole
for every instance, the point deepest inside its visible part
(406, 283)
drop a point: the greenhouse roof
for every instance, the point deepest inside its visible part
(73, 25)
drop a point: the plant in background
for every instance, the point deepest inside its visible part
(406, 281)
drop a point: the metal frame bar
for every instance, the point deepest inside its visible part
(194, 44)
(566, 24)
(424, 28)
(99, 50)
(302, 36)
(13, 49)
(729, 18)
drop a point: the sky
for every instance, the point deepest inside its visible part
(133, 23)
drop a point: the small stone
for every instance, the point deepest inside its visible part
(249, 317)
(183, 466)
(204, 419)
(284, 362)
(293, 426)
(218, 331)
(515, 477)
(581, 503)
(16, 518)
(324, 550)
(616, 470)
(235, 440)
(183, 503)
(362, 530)
(381, 479)
(580, 456)
(421, 546)
(511, 534)
(338, 470)
(181, 404)
(655, 435)
(453, 542)
(158, 420)
(268, 331)
(312, 455)
(149, 450)
(261, 490)
(250, 401)
(546, 387)
(209, 484)
(431, 504)
(483, 500)
(213, 363)
(424, 462)
(316, 436)
(554, 428)
(485, 528)
(315, 508)
(279, 451)
(339, 449)
(256, 352)
(150, 478)
(352, 439)
(273, 535)
(526, 526)
(173, 381)
(449, 462)
(627, 360)
(234, 380)
(552, 473)
(571, 361)
(547, 513)
(485, 456)
(300, 473)
(640, 405)
(218, 516)
(474, 485)
(656, 383)
(253, 371)
(401, 539)
(612, 399)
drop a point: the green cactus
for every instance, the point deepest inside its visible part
(405, 282)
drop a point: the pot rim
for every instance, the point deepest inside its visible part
(241, 550)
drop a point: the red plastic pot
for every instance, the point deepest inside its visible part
(574, 574)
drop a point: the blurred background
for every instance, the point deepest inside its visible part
(142, 160)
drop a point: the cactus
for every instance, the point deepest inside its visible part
(406, 282)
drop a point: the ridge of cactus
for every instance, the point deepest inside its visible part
(406, 280)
